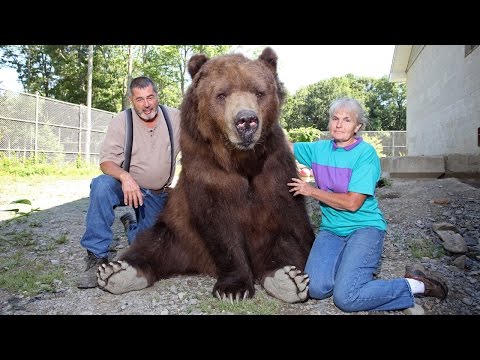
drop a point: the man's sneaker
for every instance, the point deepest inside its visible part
(127, 219)
(88, 279)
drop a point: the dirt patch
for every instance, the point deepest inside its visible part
(48, 240)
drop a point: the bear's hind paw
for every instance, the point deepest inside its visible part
(119, 277)
(288, 284)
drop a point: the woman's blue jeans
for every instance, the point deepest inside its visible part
(344, 266)
(105, 195)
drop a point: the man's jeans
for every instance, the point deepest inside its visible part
(105, 195)
(344, 266)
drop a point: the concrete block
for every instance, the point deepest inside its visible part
(413, 166)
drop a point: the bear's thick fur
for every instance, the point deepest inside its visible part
(231, 214)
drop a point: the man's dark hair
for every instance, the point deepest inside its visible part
(141, 82)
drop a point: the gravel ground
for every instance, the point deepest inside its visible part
(49, 239)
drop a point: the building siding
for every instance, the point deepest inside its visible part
(443, 100)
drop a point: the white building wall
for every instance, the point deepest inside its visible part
(443, 101)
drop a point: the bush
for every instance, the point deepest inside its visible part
(375, 142)
(303, 134)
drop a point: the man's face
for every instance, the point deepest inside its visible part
(145, 103)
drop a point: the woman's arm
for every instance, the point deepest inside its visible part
(350, 201)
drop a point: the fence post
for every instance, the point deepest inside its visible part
(80, 130)
(37, 110)
(88, 134)
(393, 143)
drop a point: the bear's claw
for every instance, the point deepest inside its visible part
(238, 296)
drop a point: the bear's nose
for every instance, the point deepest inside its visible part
(246, 121)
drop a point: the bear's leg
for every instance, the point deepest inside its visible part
(288, 284)
(154, 254)
(119, 277)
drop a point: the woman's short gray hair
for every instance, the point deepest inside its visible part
(351, 105)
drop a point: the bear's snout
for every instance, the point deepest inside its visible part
(246, 123)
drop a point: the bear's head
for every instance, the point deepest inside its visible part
(233, 96)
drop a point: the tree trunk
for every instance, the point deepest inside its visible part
(126, 102)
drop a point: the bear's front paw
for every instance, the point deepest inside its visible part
(227, 290)
(119, 277)
(288, 284)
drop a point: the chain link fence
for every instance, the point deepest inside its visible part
(32, 125)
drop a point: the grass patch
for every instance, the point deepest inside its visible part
(35, 224)
(426, 248)
(39, 165)
(62, 239)
(22, 238)
(21, 275)
(260, 304)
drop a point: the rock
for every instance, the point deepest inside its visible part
(452, 242)
(416, 310)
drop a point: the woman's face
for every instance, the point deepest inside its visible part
(343, 125)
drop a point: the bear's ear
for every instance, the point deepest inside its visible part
(195, 63)
(270, 57)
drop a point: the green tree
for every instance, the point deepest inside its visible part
(308, 107)
(70, 71)
(384, 102)
(170, 67)
(33, 66)
(303, 134)
(387, 105)
(60, 71)
(109, 73)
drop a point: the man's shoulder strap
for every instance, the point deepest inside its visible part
(128, 139)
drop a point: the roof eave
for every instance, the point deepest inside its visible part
(398, 69)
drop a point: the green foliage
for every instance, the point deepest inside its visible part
(386, 105)
(33, 65)
(18, 239)
(21, 275)
(63, 239)
(260, 304)
(28, 166)
(60, 72)
(80, 163)
(308, 107)
(22, 207)
(384, 102)
(375, 142)
(426, 248)
(303, 134)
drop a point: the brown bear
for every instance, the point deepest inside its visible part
(231, 215)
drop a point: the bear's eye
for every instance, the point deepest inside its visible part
(221, 96)
(259, 94)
